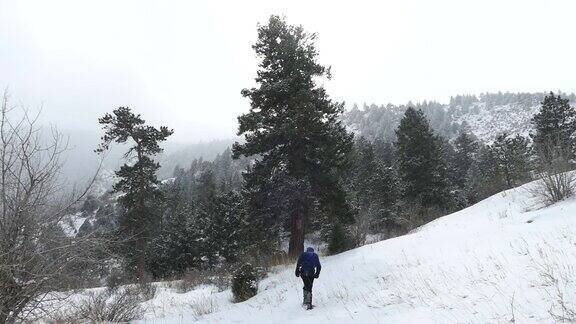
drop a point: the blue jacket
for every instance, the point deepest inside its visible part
(308, 264)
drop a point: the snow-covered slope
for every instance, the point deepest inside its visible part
(486, 124)
(504, 259)
(500, 260)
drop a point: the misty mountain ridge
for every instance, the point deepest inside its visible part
(81, 162)
(486, 116)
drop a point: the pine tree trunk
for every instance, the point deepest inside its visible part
(142, 227)
(141, 260)
(508, 178)
(296, 245)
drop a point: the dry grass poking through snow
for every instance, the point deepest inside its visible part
(203, 305)
(557, 277)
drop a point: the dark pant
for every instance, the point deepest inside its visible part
(308, 281)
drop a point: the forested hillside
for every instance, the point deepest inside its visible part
(486, 115)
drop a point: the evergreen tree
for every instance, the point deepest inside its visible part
(473, 187)
(228, 171)
(466, 148)
(199, 231)
(364, 167)
(464, 158)
(221, 217)
(457, 194)
(227, 228)
(205, 215)
(294, 129)
(512, 156)
(555, 125)
(421, 167)
(205, 189)
(179, 245)
(372, 186)
(337, 239)
(138, 181)
(384, 151)
(486, 173)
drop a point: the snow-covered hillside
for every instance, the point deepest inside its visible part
(503, 259)
(486, 116)
(499, 260)
(486, 124)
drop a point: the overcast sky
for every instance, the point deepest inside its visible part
(183, 63)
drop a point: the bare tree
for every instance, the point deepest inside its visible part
(35, 254)
(556, 181)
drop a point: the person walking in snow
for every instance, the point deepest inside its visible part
(308, 268)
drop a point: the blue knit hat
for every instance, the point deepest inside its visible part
(309, 249)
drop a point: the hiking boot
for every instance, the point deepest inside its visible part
(308, 299)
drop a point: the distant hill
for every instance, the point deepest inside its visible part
(486, 115)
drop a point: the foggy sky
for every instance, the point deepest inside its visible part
(183, 63)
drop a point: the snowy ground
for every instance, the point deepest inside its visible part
(501, 260)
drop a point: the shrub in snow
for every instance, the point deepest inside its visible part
(554, 187)
(192, 278)
(122, 306)
(116, 278)
(145, 290)
(556, 181)
(337, 241)
(244, 283)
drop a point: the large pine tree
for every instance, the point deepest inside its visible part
(422, 168)
(137, 180)
(555, 125)
(294, 130)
